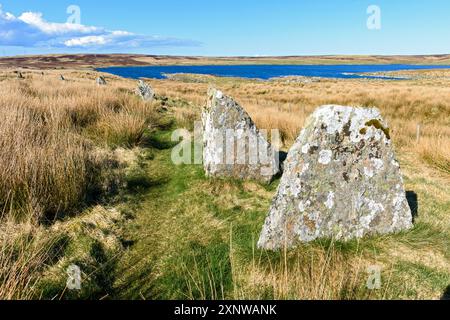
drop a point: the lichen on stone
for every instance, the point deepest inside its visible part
(344, 181)
(233, 146)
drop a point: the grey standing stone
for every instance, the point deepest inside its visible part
(101, 81)
(341, 179)
(233, 146)
(61, 77)
(145, 91)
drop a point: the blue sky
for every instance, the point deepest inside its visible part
(225, 28)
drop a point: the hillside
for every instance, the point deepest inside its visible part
(104, 60)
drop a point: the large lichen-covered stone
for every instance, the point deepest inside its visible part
(341, 180)
(233, 146)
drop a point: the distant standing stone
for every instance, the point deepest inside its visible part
(233, 146)
(101, 81)
(61, 77)
(341, 180)
(145, 91)
(20, 75)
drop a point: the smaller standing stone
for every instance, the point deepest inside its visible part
(101, 81)
(61, 77)
(233, 146)
(145, 91)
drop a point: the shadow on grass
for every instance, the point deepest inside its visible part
(413, 202)
(199, 272)
(139, 180)
(98, 277)
(138, 284)
(157, 141)
(446, 294)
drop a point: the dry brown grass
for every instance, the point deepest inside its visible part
(315, 274)
(55, 159)
(47, 134)
(435, 151)
(25, 250)
(285, 106)
(44, 168)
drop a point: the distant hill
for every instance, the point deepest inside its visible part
(89, 61)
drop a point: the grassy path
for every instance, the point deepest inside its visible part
(181, 229)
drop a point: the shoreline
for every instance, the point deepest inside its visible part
(257, 74)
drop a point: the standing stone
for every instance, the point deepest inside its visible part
(101, 81)
(20, 75)
(61, 77)
(233, 146)
(341, 180)
(145, 91)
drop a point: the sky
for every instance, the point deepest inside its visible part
(225, 28)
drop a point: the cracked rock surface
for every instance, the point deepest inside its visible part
(341, 179)
(232, 145)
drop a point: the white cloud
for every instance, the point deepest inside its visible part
(30, 29)
(86, 41)
(35, 19)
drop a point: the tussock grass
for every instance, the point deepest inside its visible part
(310, 273)
(435, 151)
(47, 139)
(44, 167)
(57, 159)
(24, 253)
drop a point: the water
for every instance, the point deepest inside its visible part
(265, 72)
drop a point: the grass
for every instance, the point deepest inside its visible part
(24, 253)
(48, 162)
(60, 155)
(87, 179)
(196, 239)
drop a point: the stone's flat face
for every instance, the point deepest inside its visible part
(233, 146)
(341, 180)
(145, 91)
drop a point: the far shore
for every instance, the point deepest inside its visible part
(93, 61)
